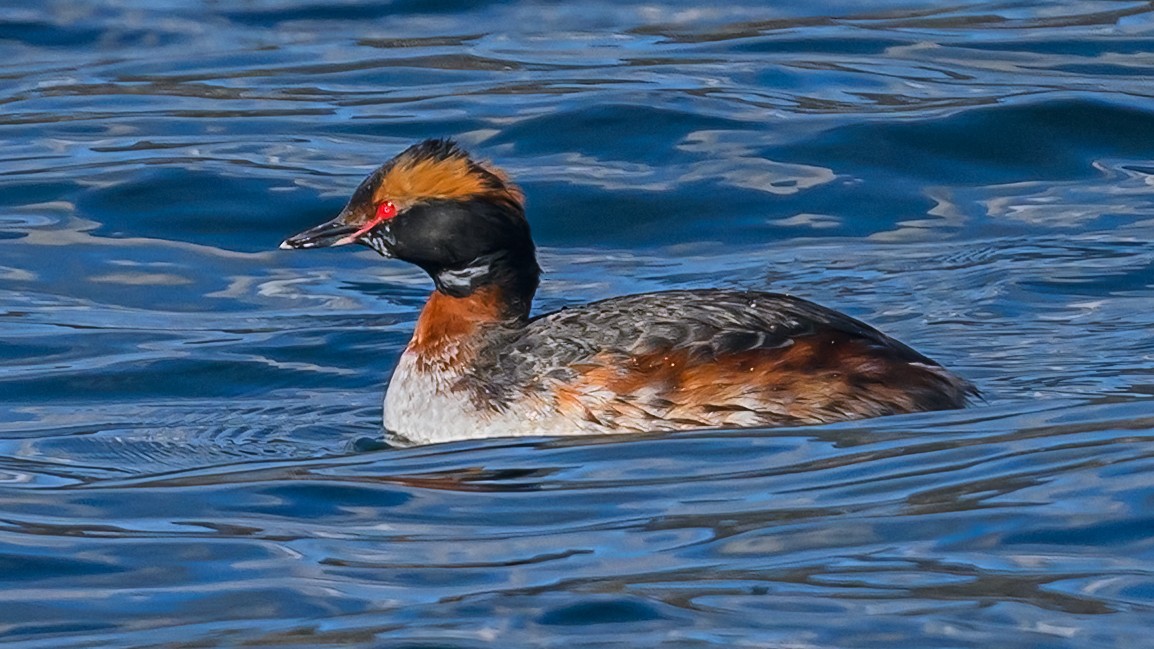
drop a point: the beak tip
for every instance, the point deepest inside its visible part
(285, 245)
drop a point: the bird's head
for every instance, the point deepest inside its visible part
(434, 206)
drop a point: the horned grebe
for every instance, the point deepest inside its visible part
(479, 366)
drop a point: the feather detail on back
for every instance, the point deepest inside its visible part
(693, 359)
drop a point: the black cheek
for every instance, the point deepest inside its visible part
(449, 233)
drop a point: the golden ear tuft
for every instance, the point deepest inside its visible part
(439, 169)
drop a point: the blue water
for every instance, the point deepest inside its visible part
(189, 418)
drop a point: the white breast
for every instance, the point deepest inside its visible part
(422, 407)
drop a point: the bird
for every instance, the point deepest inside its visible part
(479, 365)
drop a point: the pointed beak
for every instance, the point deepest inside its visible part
(326, 235)
(338, 232)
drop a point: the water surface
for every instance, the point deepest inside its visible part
(188, 416)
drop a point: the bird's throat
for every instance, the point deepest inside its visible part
(502, 279)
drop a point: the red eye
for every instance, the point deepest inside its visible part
(386, 211)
